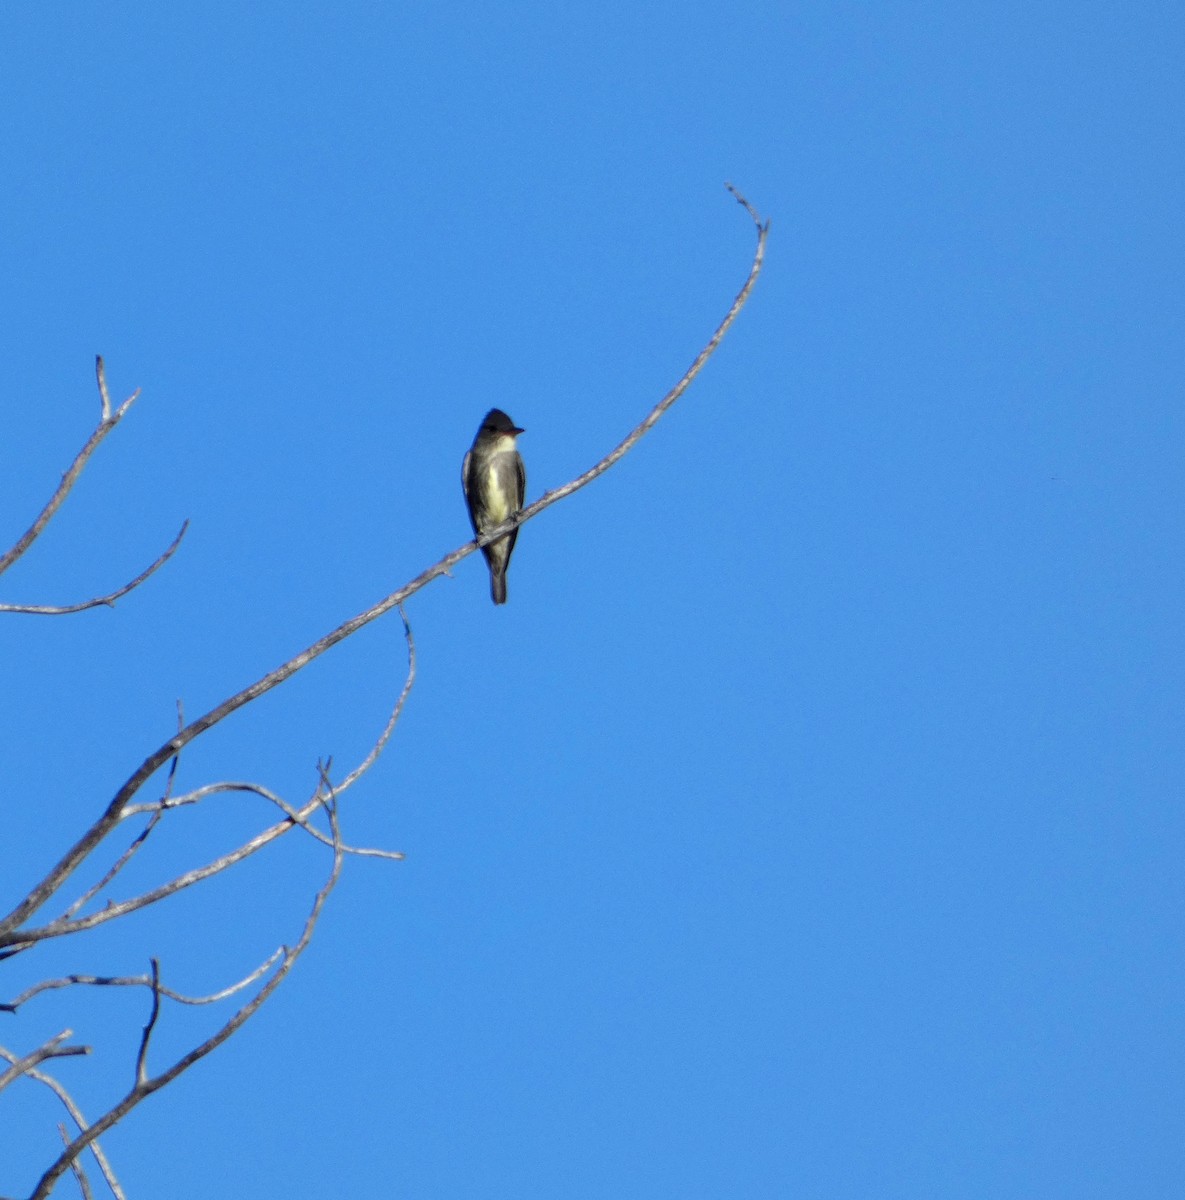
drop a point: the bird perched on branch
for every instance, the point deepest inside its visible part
(495, 482)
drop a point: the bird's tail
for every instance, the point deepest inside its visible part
(498, 586)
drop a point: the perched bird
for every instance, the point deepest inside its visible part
(495, 483)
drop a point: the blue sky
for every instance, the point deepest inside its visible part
(809, 823)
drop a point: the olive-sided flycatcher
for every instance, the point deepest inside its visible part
(495, 483)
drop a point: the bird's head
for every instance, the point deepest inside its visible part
(496, 421)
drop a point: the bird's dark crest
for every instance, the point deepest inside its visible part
(496, 421)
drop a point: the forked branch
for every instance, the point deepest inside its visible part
(51, 1049)
(60, 610)
(107, 422)
(108, 419)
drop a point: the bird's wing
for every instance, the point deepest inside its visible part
(465, 489)
(521, 471)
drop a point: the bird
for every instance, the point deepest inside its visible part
(495, 481)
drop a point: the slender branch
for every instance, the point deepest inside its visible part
(51, 1049)
(10, 925)
(51, 610)
(84, 1184)
(117, 866)
(157, 811)
(104, 396)
(144, 1088)
(113, 911)
(146, 1036)
(76, 1116)
(295, 816)
(49, 985)
(199, 794)
(651, 418)
(246, 981)
(106, 425)
(396, 713)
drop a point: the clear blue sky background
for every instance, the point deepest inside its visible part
(809, 823)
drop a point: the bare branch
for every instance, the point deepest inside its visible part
(396, 712)
(117, 866)
(176, 757)
(156, 810)
(116, 909)
(77, 1117)
(79, 1174)
(64, 925)
(295, 816)
(104, 396)
(106, 425)
(51, 1049)
(50, 610)
(246, 981)
(10, 934)
(147, 1086)
(651, 419)
(49, 985)
(113, 910)
(747, 207)
(146, 1036)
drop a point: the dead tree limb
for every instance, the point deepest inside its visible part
(147, 1084)
(10, 932)
(108, 420)
(59, 610)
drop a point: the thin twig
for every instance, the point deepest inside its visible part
(104, 396)
(106, 425)
(746, 206)
(176, 757)
(84, 1184)
(51, 610)
(117, 866)
(156, 811)
(112, 911)
(396, 712)
(10, 926)
(146, 1036)
(295, 816)
(51, 1049)
(298, 817)
(49, 985)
